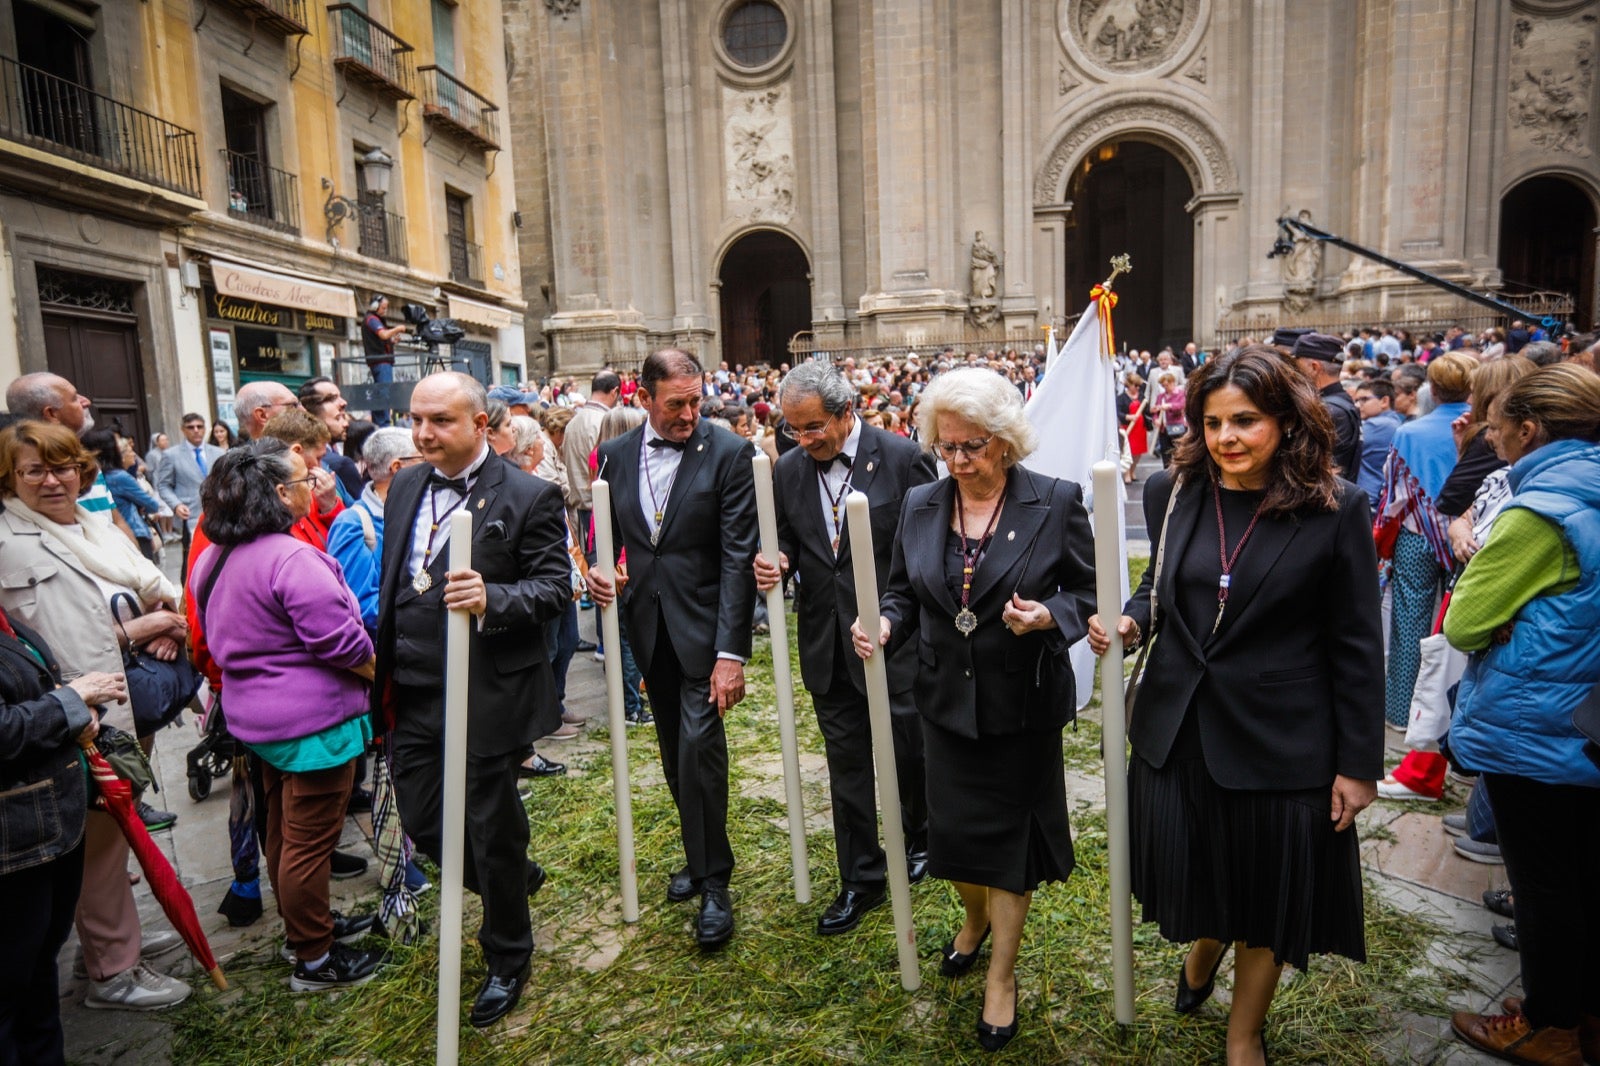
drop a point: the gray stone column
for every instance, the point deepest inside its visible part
(1217, 217)
(690, 279)
(1018, 303)
(827, 285)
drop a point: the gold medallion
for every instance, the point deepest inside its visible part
(423, 581)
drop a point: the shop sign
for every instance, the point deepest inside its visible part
(280, 290)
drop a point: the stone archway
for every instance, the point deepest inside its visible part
(1184, 135)
(765, 285)
(1547, 241)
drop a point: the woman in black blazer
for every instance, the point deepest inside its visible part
(993, 576)
(1258, 729)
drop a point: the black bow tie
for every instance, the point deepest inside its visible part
(824, 465)
(437, 480)
(662, 442)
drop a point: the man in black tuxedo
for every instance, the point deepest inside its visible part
(839, 453)
(683, 505)
(520, 579)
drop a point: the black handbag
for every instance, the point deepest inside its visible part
(159, 691)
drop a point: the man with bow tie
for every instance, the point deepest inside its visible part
(838, 454)
(519, 581)
(683, 506)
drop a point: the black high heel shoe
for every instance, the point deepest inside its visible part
(954, 963)
(1190, 999)
(995, 1037)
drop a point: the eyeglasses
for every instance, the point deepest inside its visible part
(283, 403)
(404, 459)
(35, 475)
(299, 480)
(947, 449)
(808, 432)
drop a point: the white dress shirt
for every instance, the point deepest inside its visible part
(831, 484)
(436, 502)
(658, 470)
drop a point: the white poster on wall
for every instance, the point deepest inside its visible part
(222, 374)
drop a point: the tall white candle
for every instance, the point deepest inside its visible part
(610, 632)
(452, 863)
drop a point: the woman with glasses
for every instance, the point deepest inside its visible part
(993, 577)
(58, 570)
(295, 661)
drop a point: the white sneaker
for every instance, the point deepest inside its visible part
(151, 945)
(1389, 788)
(137, 988)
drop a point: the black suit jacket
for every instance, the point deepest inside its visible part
(886, 467)
(994, 682)
(1290, 688)
(519, 545)
(1346, 430)
(698, 578)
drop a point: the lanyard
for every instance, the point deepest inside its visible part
(966, 621)
(836, 502)
(1226, 580)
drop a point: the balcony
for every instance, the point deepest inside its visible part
(65, 119)
(284, 17)
(369, 53)
(450, 105)
(261, 194)
(383, 233)
(466, 261)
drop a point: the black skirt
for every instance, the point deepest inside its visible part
(1266, 868)
(997, 809)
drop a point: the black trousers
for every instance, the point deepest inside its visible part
(1550, 840)
(37, 903)
(694, 758)
(847, 737)
(497, 865)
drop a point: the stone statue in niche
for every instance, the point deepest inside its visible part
(983, 282)
(1131, 33)
(1302, 270)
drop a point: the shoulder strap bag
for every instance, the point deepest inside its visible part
(1132, 690)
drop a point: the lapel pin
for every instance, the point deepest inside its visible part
(480, 504)
(699, 447)
(869, 468)
(1012, 535)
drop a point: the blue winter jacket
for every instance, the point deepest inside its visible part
(1514, 708)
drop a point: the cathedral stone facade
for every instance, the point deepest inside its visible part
(727, 175)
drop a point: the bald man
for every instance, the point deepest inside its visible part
(520, 579)
(255, 404)
(52, 398)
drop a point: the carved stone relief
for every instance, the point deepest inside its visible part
(1130, 36)
(1552, 73)
(1198, 71)
(984, 282)
(758, 154)
(563, 8)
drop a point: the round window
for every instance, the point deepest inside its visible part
(755, 33)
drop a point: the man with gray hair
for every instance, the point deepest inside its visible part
(839, 453)
(255, 404)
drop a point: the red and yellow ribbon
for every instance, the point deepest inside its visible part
(1105, 300)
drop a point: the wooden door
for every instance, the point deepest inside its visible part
(101, 357)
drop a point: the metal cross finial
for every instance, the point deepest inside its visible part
(1120, 264)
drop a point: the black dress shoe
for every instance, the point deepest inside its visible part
(541, 767)
(954, 963)
(584, 645)
(496, 998)
(916, 866)
(682, 886)
(845, 912)
(995, 1037)
(714, 924)
(1189, 999)
(536, 878)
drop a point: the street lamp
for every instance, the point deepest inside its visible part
(376, 168)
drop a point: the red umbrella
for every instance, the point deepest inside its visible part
(117, 797)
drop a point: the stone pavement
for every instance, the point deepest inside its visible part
(1408, 856)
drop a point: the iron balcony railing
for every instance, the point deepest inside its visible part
(367, 51)
(287, 17)
(459, 110)
(466, 261)
(383, 233)
(261, 194)
(66, 119)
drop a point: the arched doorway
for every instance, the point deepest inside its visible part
(1129, 196)
(1547, 242)
(766, 298)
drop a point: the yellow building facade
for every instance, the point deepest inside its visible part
(195, 194)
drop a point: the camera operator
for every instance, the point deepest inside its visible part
(377, 343)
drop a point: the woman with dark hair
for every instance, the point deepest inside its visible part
(1256, 734)
(295, 662)
(222, 435)
(1527, 607)
(132, 501)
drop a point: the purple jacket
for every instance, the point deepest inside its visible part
(286, 630)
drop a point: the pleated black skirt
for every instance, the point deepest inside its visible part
(1266, 868)
(997, 809)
